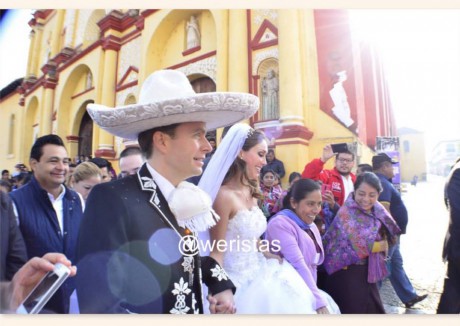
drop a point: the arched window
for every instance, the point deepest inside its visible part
(269, 89)
(406, 145)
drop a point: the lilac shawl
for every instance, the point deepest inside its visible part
(351, 237)
(298, 249)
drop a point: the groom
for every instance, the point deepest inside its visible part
(129, 257)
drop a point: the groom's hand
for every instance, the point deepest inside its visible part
(222, 303)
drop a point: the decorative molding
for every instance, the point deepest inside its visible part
(140, 23)
(286, 131)
(264, 55)
(125, 86)
(105, 153)
(206, 67)
(128, 76)
(192, 50)
(65, 54)
(79, 55)
(73, 139)
(32, 23)
(124, 92)
(31, 84)
(81, 93)
(120, 22)
(43, 14)
(111, 43)
(148, 12)
(292, 142)
(267, 28)
(249, 54)
(205, 64)
(49, 83)
(49, 69)
(111, 21)
(129, 59)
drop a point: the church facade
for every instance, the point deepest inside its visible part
(317, 84)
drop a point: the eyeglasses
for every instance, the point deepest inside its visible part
(344, 160)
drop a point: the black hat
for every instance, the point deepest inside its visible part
(380, 158)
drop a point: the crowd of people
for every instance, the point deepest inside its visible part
(323, 245)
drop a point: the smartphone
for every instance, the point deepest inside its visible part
(324, 188)
(44, 290)
(339, 148)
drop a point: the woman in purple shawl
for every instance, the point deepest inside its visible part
(299, 238)
(356, 245)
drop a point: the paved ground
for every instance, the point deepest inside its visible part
(421, 247)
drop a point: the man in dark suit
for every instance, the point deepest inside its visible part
(137, 249)
(13, 252)
(449, 302)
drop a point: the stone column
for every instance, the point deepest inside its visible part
(222, 51)
(290, 74)
(238, 51)
(31, 57)
(111, 47)
(49, 86)
(55, 42)
(37, 44)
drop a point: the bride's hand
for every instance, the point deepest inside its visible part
(269, 255)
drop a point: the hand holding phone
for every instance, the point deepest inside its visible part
(328, 196)
(324, 188)
(339, 148)
(44, 290)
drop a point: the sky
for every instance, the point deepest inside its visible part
(421, 53)
(420, 49)
(14, 44)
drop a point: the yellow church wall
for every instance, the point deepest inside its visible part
(164, 34)
(161, 45)
(175, 44)
(32, 125)
(221, 19)
(47, 30)
(412, 156)
(238, 48)
(9, 107)
(366, 154)
(72, 82)
(258, 16)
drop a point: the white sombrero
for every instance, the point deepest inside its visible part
(167, 97)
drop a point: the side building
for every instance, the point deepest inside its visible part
(413, 162)
(444, 156)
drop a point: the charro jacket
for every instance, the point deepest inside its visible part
(128, 254)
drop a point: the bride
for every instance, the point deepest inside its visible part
(265, 283)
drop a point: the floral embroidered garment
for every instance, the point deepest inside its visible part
(352, 234)
(271, 196)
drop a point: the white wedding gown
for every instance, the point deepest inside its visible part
(263, 286)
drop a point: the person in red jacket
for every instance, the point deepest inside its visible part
(339, 178)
